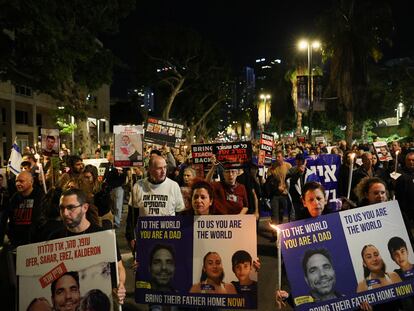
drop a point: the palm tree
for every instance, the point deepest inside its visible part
(353, 34)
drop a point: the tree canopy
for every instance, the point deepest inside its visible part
(54, 48)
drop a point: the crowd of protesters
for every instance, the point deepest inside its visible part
(31, 209)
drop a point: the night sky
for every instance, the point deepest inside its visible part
(246, 30)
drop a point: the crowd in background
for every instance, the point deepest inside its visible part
(275, 190)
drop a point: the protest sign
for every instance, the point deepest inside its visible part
(89, 259)
(382, 151)
(128, 145)
(337, 243)
(162, 132)
(50, 142)
(100, 164)
(266, 149)
(184, 244)
(229, 155)
(326, 167)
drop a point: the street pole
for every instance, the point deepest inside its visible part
(310, 101)
(264, 127)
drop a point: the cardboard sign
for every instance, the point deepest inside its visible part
(100, 164)
(230, 155)
(43, 265)
(266, 149)
(325, 258)
(50, 142)
(185, 244)
(128, 145)
(382, 151)
(326, 167)
(162, 132)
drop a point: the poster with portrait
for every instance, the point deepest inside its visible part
(163, 132)
(78, 264)
(189, 261)
(337, 260)
(326, 167)
(50, 142)
(382, 151)
(128, 145)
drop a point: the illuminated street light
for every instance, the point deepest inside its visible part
(265, 98)
(309, 46)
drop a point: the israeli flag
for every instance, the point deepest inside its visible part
(15, 159)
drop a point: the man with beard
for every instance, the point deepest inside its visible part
(76, 168)
(73, 209)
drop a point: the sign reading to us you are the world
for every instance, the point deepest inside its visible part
(196, 261)
(336, 261)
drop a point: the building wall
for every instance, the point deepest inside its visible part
(23, 112)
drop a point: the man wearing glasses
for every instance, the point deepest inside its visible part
(73, 211)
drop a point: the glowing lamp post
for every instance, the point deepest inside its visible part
(266, 107)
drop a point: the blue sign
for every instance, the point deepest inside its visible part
(336, 261)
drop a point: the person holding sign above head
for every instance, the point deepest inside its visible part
(231, 196)
(375, 275)
(212, 275)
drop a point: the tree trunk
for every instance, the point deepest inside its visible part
(82, 138)
(349, 127)
(299, 123)
(176, 90)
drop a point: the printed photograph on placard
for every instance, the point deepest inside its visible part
(67, 274)
(128, 145)
(200, 261)
(377, 244)
(382, 151)
(50, 142)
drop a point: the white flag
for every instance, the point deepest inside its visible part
(15, 159)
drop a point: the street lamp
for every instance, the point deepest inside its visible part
(265, 97)
(306, 44)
